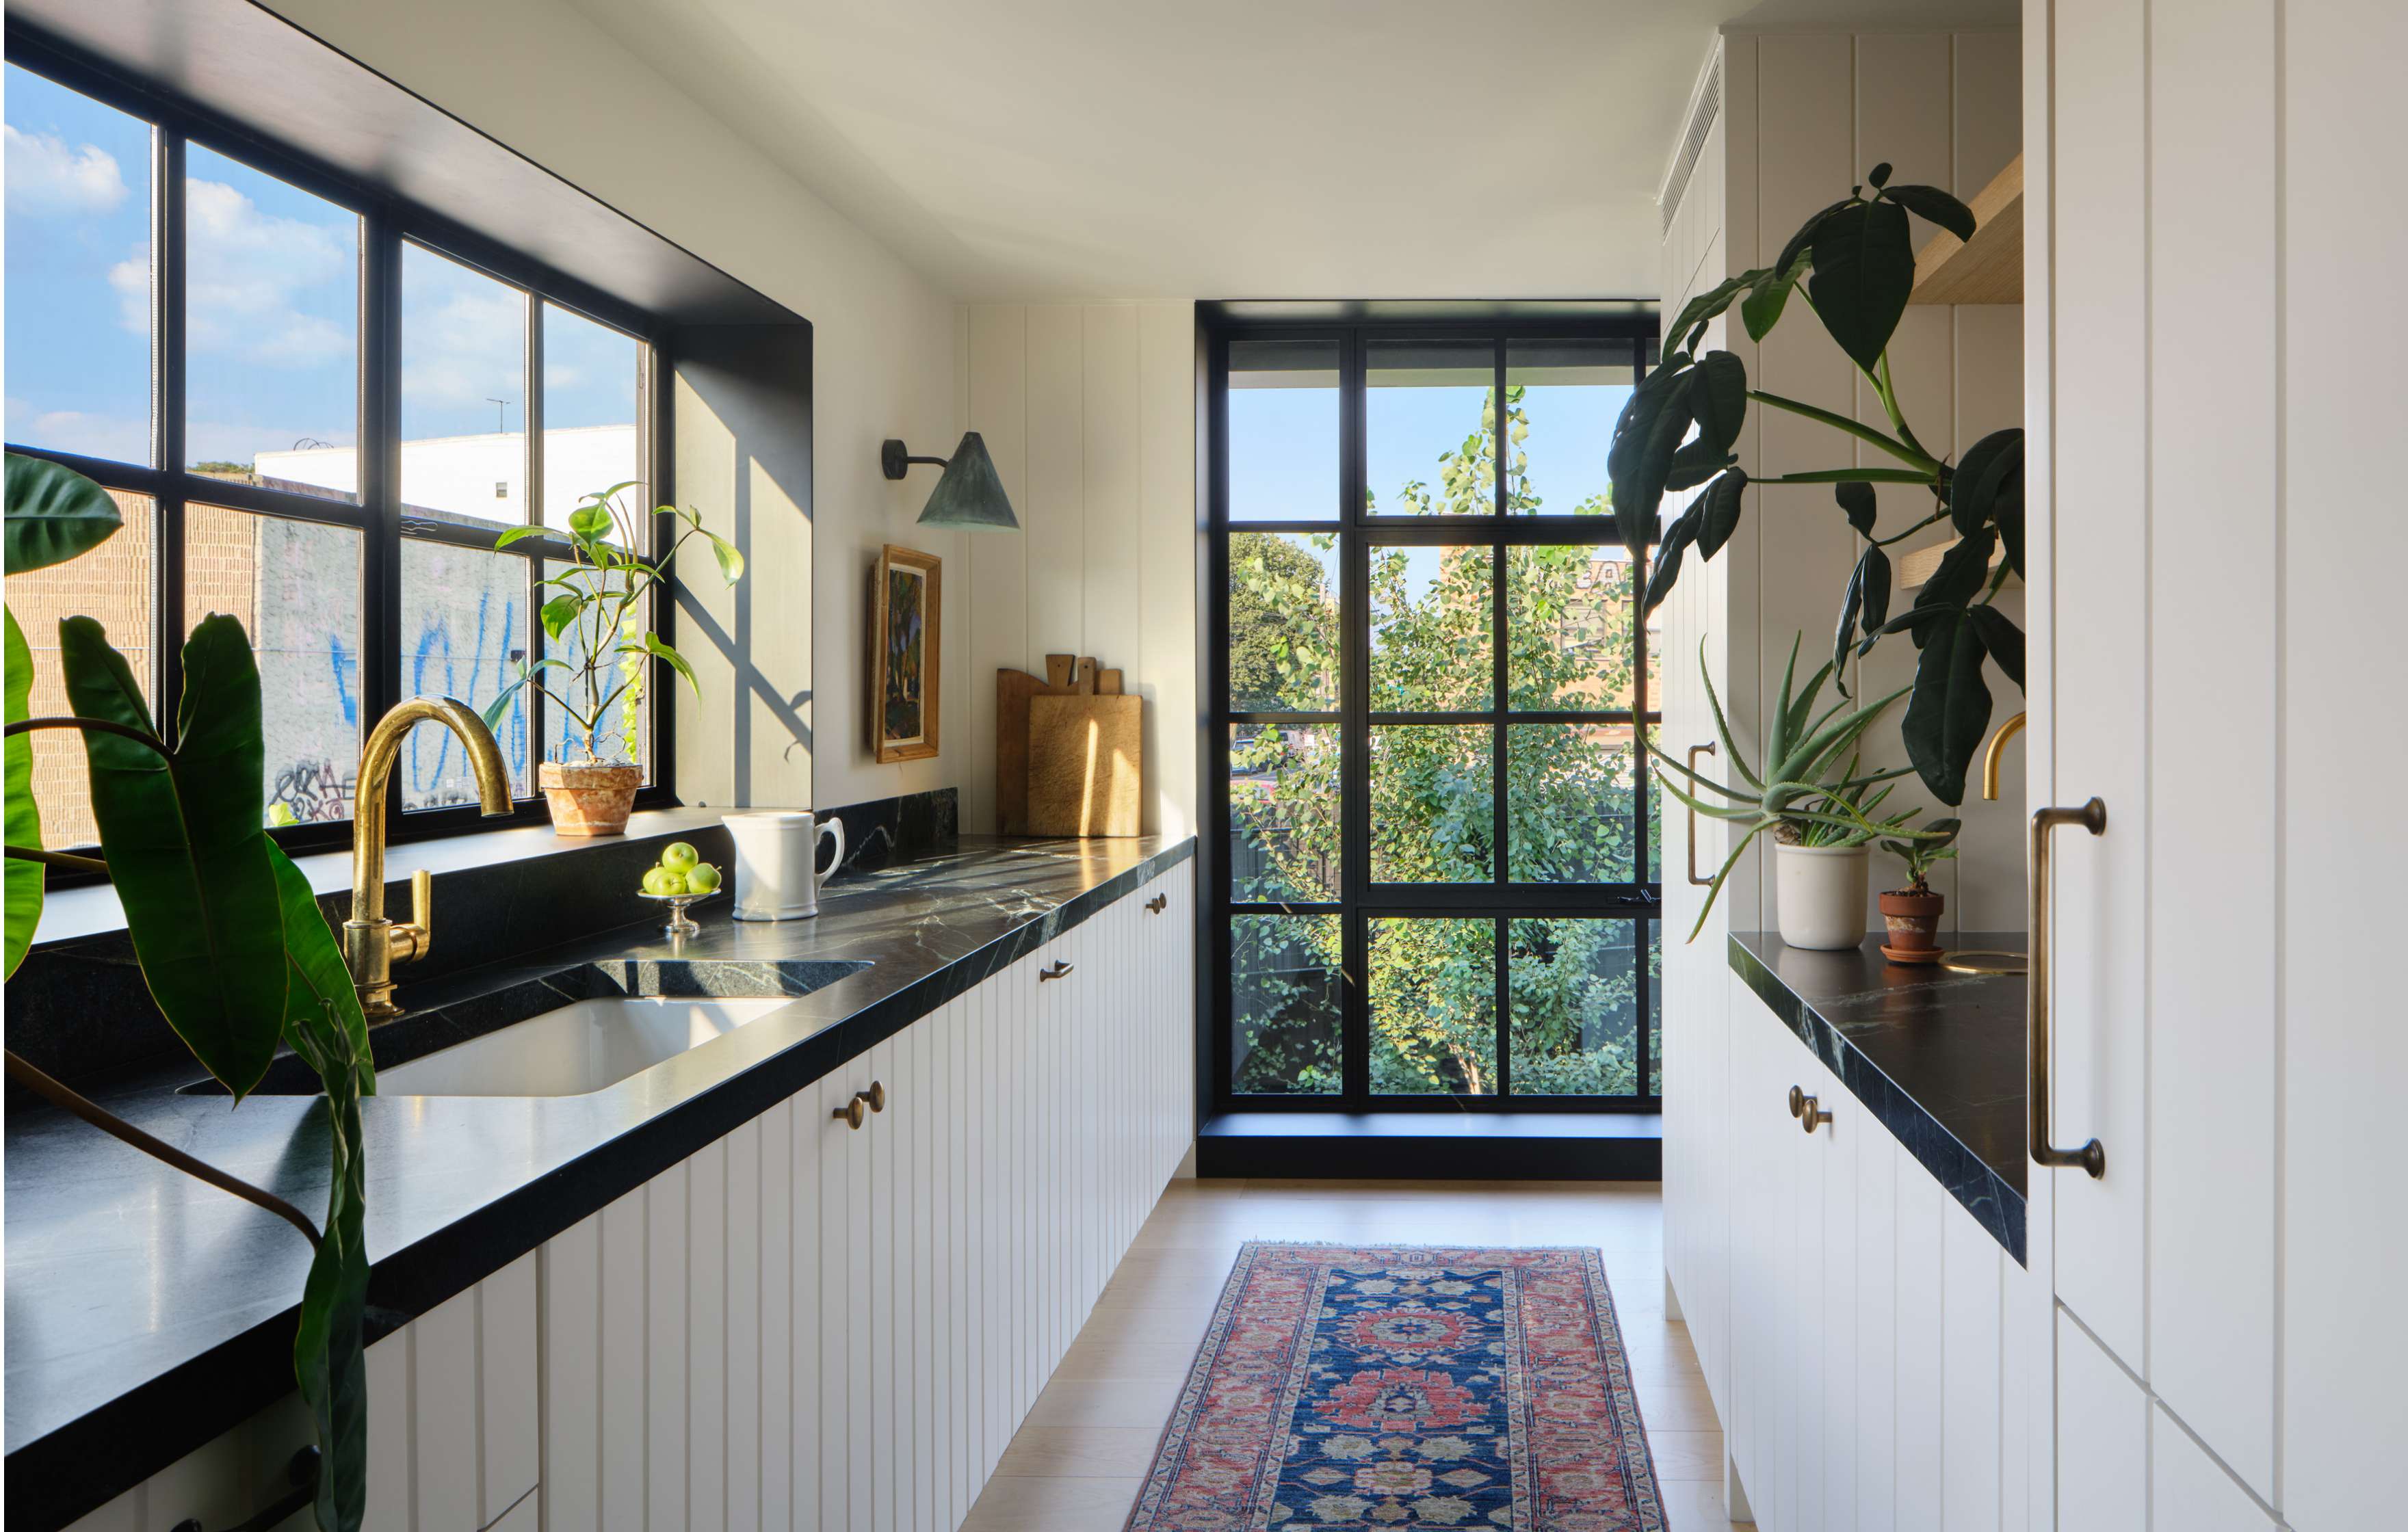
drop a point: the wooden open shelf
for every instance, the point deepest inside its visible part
(1987, 268)
(1916, 568)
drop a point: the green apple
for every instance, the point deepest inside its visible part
(704, 879)
(656, 881)
(672, 882)
(680, 858)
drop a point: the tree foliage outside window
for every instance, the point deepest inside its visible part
(1432, 982)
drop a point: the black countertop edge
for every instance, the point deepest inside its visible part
(1849, 1016)
(67, 1466)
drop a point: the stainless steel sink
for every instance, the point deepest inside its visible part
(583, 1047)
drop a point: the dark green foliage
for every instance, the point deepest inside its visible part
(1864, 269)
(54, 513)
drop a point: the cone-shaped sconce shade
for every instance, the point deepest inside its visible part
(971, 494)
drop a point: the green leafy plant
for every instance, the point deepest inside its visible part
(1802, 794)
(1853, 264)
(1921, 854)
(597, 615)
(231, 940)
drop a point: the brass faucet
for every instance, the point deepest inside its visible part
(371, 944)
(1990, 758)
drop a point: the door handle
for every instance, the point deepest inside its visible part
(2091, 816)
(1701, 882)
(1059, 970)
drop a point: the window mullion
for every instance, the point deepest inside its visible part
(167, 426)
(1355, 739)
(531, 475)
(379, 458)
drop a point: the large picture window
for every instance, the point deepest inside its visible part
(317, 412)
(1430, 674)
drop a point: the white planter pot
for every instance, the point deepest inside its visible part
(1821, 895)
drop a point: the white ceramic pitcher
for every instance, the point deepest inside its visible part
(775, 852)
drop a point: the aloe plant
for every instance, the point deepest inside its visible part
(1853, 266)
(1802, 793)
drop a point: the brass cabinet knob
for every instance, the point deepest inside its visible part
(853, 1112)
(1059, 970)
(1811, 1114)
(1797, 1102)
(875, 1096)
(1156, 904)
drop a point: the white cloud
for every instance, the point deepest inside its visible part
(48, 176)
(130, 279)
(246, 271)
(463, 336)
(113, 437)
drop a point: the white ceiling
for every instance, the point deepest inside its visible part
(1229, 149)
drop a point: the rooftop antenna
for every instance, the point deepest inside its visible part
(500, 407)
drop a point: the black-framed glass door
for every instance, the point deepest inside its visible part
(1433, 858)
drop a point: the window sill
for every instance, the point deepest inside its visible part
(93, 910)
(1433, 1146)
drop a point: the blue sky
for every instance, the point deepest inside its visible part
(271, 310)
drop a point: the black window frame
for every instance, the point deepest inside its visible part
(1639, 901)
(377, 514)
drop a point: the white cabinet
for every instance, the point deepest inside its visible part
(803, 1325)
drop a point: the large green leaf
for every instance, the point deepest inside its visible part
(1646, 435)
(24, 816)
(1801, 242)
(185, 842)
(1762, 310)
(323, 1023)
(53, 515)
(1869, 596)
(2002, 638)
(1864, 270)
(1689, 326)
(1718, 398)
(1677, 539)
(1950, 710)
(1722, 503)
(1973, 488)
(1858, 504)
(1963, 571)
(1934, 206)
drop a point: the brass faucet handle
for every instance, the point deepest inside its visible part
(411, 941)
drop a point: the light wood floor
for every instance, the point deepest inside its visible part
(1076, 1463)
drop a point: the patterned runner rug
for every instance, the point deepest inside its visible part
(1395, 1387)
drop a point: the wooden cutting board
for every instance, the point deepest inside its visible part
(1013, 690)
(1085, 765)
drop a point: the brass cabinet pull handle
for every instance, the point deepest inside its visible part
(2091, 816)
(1157, 904)
(853, 1112)
(875, 1096)
(1056, 971)
(1704, 883)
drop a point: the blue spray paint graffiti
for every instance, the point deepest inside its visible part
(435, 770)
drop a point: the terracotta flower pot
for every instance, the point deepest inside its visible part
(1911, 918)
(589, 800)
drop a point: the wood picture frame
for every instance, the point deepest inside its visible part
(906, 654)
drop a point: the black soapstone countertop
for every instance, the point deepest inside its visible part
(1936, 1056)
(147, 1312)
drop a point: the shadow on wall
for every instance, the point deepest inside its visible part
(741, 435)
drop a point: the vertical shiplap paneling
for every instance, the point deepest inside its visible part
(706, 1338)
(1904, 99)
(914, 1426)
(1737, 643)
(874, 1223)
(2103, 1438)
(929, 1438)
(570, 1268)
(2343, 545)
(665, 1242)
(2101, 485)
(1989, 107)
(774, 1199)
(1920, 1338)
(806, 1237)
(1111, 466)
(1167, 391)
(625, 1342)
(443, 1413)
(1806, 155)
(508, 1420)
(1875, 1426)
(2191, 1492)
(1970, 1259)
(747, 1338)
(846, 1357)
(996, 399)
(2211, 467)
(1844, 1251)
(390, 1487)
(1053, 515)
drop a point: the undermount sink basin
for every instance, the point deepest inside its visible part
(582, 1047)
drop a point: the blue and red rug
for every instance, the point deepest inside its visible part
(1387, 1386)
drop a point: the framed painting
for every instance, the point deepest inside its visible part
(906, 602)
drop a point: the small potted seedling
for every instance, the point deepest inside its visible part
(681, 878)
(1913, 912)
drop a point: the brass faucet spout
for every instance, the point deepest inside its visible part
(372, 943)
(1991, 757)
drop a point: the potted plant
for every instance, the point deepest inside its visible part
(1812, 797)
(596, 618)
(1913, 913)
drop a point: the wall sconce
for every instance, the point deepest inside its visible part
(969, 495)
